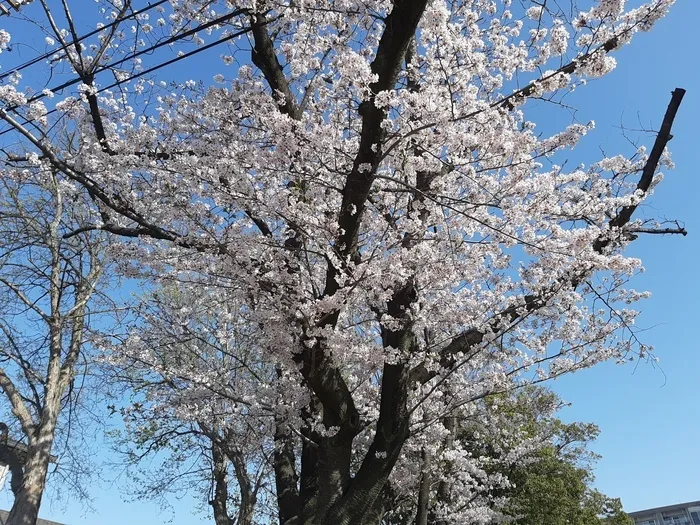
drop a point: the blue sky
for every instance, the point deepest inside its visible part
(649, 415)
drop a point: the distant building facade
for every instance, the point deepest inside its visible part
(681, 514)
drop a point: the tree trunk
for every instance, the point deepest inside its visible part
(25, 509)
(220, 501)
(249, 497)
(308, 489)
(424, 490)
(285, 477)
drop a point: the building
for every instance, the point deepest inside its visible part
(4, 514)
(14, 452)
(11, 449)
(680, 514)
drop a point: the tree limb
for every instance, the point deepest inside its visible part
(19, 408)
(467, 340)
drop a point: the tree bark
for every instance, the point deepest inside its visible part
(286, 477)
(424, 490)
(248, 494)
(59, 374)
(308, 490)
(220, 501)
(25, 509)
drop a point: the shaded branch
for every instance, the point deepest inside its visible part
(660, 231)
(19, 408)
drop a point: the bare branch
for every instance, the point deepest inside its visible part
(19, 408)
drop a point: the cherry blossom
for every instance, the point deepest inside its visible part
(363, 186)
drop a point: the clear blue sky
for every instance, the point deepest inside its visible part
(649, 416)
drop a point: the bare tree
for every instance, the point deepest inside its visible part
(47, 283)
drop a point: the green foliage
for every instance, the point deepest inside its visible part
(553, 485)
(549, 484)
(553, 490)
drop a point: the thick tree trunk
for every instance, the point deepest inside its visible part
(308, 490)
(286, 477)
(375, 514)
(334, 456)
(25, 509)
(219, 502)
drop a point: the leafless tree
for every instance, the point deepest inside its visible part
(48, 284)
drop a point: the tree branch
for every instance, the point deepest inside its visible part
(400, 27)
(660, 231)
(264, 57)
(662, 138)
(26, 300)
(467, 340)
(19, 408)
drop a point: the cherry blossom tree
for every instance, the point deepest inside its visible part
(545, 465)
(195, 354)
(369, 191)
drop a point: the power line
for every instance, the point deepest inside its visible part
(171, 40)
(177, 58)
(152, 69)
(38, 59)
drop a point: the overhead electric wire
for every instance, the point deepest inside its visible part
(46, 55)
(171, 40)
(178, 58)
(139, 53)
(152, 69)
